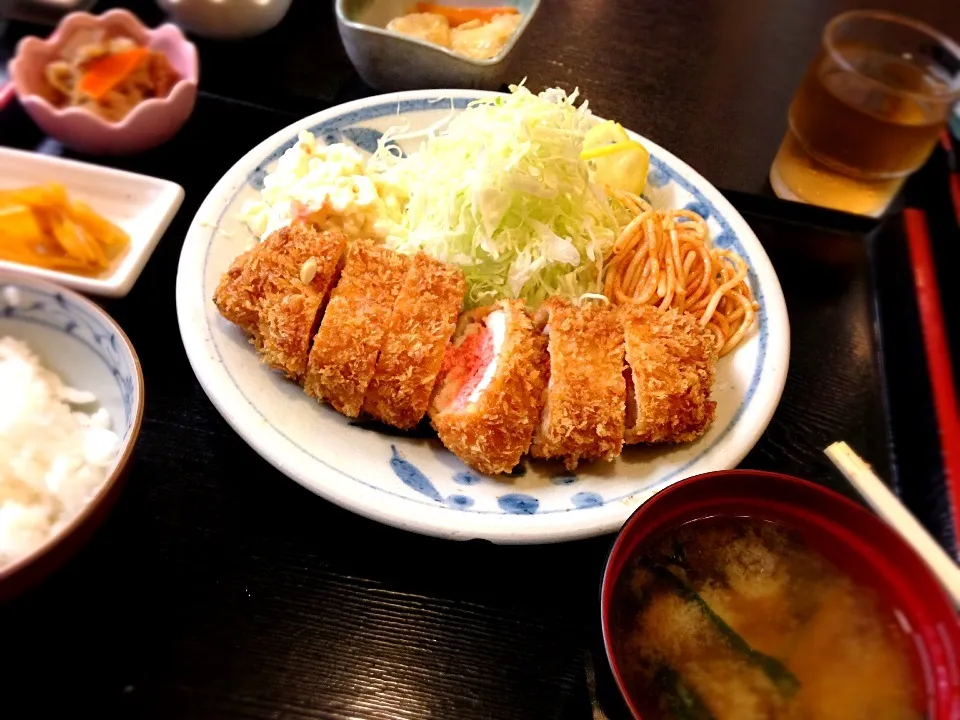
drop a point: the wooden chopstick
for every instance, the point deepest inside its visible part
(891, 510)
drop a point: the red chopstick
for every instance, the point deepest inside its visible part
(6, 93)
(937, 351)
(954, 172)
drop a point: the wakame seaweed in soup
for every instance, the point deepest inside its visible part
(737, 618)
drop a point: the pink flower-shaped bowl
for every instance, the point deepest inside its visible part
(149, 124)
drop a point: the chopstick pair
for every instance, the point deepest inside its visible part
(937, 350)
(941, 198)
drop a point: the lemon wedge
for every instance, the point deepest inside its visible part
(605, 133)
(617, 160)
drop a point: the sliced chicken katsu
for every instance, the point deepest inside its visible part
(584, 409)
(487, 401)
(346, 346)
(276, 293)
(423, 321)
(669, 373)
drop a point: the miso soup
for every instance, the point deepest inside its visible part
(737, 618)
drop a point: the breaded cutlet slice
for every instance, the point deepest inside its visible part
(236, 302)
(345, 349)
(583, 414)
(276, 293)
(490, 427)
(671, 362)
(423, 321)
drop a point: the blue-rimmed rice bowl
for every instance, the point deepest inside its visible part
(84, 346)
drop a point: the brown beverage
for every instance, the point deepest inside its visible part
(862, 120)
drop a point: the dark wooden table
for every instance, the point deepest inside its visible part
(218, 588)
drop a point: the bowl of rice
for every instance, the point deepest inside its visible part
(72, 392)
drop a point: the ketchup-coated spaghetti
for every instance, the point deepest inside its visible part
(664, 258)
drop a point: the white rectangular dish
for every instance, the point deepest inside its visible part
(143, 206)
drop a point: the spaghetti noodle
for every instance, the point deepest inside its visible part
(664, 258)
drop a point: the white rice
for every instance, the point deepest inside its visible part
(53, 459)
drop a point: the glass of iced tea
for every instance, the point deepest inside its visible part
(867, 113)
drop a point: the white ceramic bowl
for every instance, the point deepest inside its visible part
(83, 345)
(390, 61)
(224, 19)
(143, 206)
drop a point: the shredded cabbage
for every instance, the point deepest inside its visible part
(502, 192)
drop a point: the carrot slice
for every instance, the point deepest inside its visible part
(102, 229)
(76, 243)
(41, 226)
(458, 16)
(19, 222)
(49, 196)
(105, 73)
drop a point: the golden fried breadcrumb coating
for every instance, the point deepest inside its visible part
(237, 303)
(424, 318)
(268, 293)
(345, 349)
(493, 433)
(671, 364)
(585, 398)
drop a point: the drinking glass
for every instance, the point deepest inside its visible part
(867, 113)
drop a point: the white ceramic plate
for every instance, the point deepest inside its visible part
(143, 206)
(414, 483)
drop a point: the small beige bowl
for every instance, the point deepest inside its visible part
(389, 61)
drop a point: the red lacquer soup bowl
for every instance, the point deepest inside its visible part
(853, 539)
